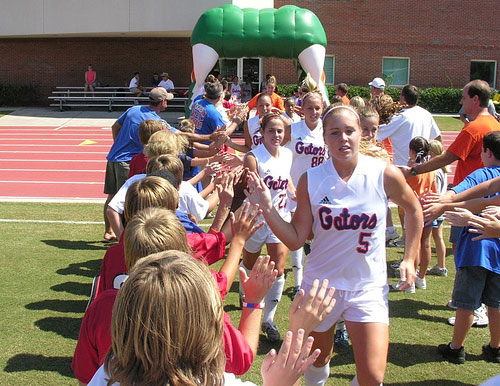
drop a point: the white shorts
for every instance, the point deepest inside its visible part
(365, 306)
(264, 235)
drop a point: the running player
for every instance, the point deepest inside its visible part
(343, 202)
(308, 149)
(272, 163)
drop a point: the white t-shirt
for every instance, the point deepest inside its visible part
(134, 83)
(100, 378)
(166, 84)
(236, 91)
(410, 123)
(348, 247)
(118, 201)
(190, 201)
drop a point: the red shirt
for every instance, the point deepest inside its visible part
(94, 339)
(468, 145)
(137, 164)
(208, 247)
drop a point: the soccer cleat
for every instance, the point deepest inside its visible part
(480, 317)
(437, 271)
(453, 355)
(491, 354)
(270, 329)
(342, 338)
(420, 283)
(391, 234)
(396, 265)
(400, 243)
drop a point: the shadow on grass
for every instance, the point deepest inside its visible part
(63, 326)
(73, 287)
(89, 268)
(409, 309)
(29, 362)
(59, 305)
(79, 245)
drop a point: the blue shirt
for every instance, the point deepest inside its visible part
(127, 143)
(205, 117)
(483, 253)
(190, 226)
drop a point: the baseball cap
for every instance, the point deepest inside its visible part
(159, 94)
(377, 83)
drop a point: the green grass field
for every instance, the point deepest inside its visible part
(449, 123)
(46, 270)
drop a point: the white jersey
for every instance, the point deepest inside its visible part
(308, 148)
(293, 119)
(348, 247)
(275, 173)
(254, 131)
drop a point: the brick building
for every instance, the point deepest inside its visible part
(428, 43)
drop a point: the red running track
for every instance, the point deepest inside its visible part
(40, 163)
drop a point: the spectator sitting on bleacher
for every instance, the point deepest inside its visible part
(165, 82)
(90, 79)
(134, 85)
(155, 80)
(126, 144)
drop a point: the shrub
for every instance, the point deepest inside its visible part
(434, 99)
(19, 95)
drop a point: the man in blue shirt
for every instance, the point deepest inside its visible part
(126, 144)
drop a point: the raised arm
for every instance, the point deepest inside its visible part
(292, 234)
(399, 191)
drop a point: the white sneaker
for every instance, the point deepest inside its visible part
(437, 271)
(410, 290)
(391, 234)
(420, 283)
(480, 317)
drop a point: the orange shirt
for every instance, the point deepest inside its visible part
(421, 182)
(468, 145)
(346, 100)
(276, 101)
(388, 148)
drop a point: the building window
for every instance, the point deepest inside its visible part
(329, 68)
(484, 70)
(396, 71)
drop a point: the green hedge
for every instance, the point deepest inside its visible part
(434, 99)
(19, 95)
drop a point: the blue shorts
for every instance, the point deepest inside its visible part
(476, 285)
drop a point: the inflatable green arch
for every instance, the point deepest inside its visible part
(289, 32)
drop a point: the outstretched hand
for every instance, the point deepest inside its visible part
(487, 226)
(308, 311)
(260, 281)
(285, 367)
(244, 223)
(257, 192)
(458, 217)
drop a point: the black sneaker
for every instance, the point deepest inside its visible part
(491, 354)
(452, 355)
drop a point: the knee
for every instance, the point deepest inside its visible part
(281, 271)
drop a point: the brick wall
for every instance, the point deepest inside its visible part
(63, 62)
(440, 37)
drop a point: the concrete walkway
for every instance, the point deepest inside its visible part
(48, 116)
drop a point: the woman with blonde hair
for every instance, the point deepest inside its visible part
(277, 101)
(159, 340)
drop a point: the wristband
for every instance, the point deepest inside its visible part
(253, 305)
(212, 230)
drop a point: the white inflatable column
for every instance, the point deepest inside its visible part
(312, 60)
(204, 59)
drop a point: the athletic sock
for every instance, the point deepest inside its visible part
(317, 376)
(248, 271)
(356, 383)
(297, 258)
(273, 297)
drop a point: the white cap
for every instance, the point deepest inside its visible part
(377, 83)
